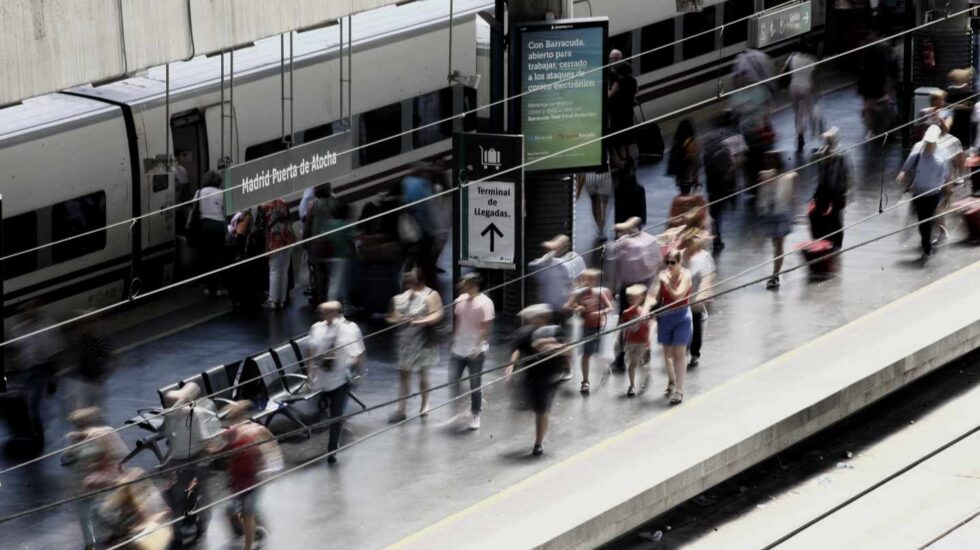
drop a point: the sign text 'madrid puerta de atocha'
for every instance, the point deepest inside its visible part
(291, 171)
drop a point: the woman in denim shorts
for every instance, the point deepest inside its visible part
(670, 293)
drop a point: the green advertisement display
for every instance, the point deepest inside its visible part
(559, 69)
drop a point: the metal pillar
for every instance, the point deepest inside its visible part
(287, 139)
(498, 60)
(907, 86)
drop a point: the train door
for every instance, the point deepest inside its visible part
(190, 146)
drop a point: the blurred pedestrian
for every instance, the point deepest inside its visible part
(556, 271)
(670, 294)
(960, 97)
(206, 228)
(254, 454)
(31, 375)
(774, 206)
(136, 510)
(722, 152)
(335, 362)
(621, 101)
(592, 302)
(86, 366)
(317, 222)
(684, 159)
(417, 312)
(926, 174)
(537, 347)
(701, 265)
(635, 256)
(802, 65)
(94, 464)
(826, 208)
(599, 186)
(473, 312)
(950, 149)
(418, 187)
(279, 237)
(636, 339)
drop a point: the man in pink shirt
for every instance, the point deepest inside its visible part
(472, 314)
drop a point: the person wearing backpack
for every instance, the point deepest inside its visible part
(278, 235)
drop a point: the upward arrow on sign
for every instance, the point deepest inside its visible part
(492, 229)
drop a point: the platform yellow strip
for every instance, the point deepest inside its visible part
(758, 371)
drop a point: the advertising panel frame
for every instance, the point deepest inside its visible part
(518, 63)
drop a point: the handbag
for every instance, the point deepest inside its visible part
(409, 231)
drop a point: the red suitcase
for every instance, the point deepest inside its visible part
(820, 256)
(970, 209)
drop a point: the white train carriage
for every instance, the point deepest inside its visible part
(84, 158)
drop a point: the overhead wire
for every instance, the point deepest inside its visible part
(446, 192)
(448, 305)
(555, 353)
(543, 87)
(643, 318)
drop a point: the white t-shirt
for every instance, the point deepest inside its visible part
(344, 339)
(701, 264)
(802, 79)
(469, 314)
(211, 203)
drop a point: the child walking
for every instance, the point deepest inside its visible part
(636, 338)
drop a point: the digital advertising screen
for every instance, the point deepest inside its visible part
(561, 107)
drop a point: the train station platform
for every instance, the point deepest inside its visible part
(423, 481)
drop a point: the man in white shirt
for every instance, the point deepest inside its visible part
(473, 313)
(335, 352)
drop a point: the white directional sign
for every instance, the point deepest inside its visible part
(489, 215)
(780, 24)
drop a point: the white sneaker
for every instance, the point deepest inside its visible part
(475, 422)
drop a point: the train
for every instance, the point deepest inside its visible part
(96, 155)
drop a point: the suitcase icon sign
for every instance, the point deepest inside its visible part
(490, 157)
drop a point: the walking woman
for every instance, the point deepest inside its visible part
(417, 311)
(278, 234)
(672, 290)
(774, 206)
(684, 161)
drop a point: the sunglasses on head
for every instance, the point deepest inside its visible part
(671, 262)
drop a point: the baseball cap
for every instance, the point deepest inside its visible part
(932, 134)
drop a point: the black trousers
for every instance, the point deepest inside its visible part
(334, 402)
(925, 208)
(695, 347)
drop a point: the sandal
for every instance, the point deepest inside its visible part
(585, 387)
(676, 398)
(631, 392)
(669, 389)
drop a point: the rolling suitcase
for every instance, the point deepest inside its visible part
(649, 140)
(970, 209)
(821, 257)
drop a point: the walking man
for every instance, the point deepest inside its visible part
(335, 362)
(473, 312)
(926, 174)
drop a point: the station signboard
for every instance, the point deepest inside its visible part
(258, 181)
(780, 23)
(490, 214)
(558, 72)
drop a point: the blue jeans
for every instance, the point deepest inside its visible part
(457, 365)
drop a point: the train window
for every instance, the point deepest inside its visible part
(21, 234)
(378, 124)
(699, 42)
(260, 150)
(427, 109)
(738, 32)
(652, 36)
(74, 217)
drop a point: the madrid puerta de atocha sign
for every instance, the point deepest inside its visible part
(487, 166)
(291, 171)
